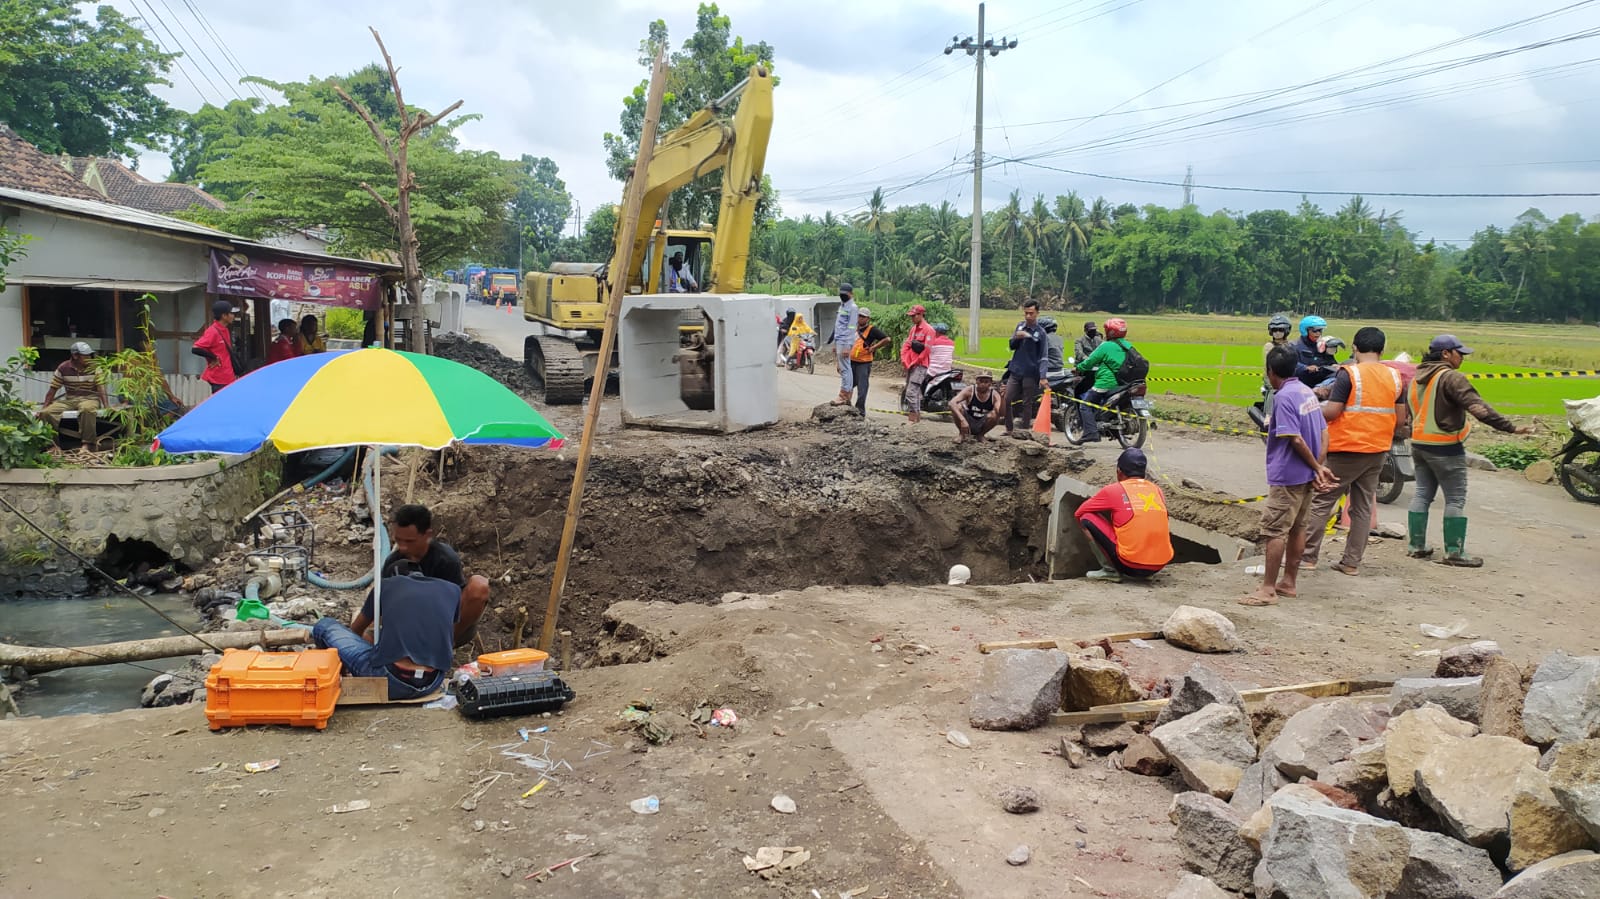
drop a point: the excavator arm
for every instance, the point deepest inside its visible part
(704, 144)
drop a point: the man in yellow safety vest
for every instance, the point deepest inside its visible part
(1365, 413)
(1439, 400)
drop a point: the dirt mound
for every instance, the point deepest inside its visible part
(488, 360)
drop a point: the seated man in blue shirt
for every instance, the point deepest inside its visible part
(414, 649)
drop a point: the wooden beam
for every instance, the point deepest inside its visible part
(116, 315)
(1057, 642)
(1149, 709)
(39, 659)
(27, 317)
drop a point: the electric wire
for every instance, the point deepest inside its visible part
(177, 61)
(153, 19)
(200, 47)
(226, 52)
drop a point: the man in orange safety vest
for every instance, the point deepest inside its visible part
(1126, 523)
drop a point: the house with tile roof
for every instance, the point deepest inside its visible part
(120, 184)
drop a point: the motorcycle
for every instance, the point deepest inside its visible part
(1126, 415)
(938, 392)
(1399, 469)
(805, 357)
(1579, 471)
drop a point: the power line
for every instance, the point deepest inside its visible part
(200, 47)
(223, 50)
(177, 60)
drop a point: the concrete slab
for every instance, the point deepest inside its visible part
(1067, 552)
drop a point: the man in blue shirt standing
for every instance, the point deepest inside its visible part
(1026, 368)
(844, 340)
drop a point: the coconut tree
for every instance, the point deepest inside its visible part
(1038, 229)
(1073, 221)
(1009, 228)
(877, 221)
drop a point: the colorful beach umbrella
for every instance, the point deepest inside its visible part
(369, 396)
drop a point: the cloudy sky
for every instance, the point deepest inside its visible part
(1415, 96)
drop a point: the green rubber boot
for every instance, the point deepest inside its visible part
(1455, 544)
(1417, 530)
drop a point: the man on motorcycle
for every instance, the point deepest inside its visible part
(1278, 328)
(1439, 399)
(941, 351)
(976, 409)
(1103, 364)
(783, 327)
(1055, 348)
(1088, 342)
(1315, 365)
(1365, 414)
(1126, 523)
(1026, 369)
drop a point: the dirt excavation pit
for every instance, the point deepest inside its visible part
(796, 506)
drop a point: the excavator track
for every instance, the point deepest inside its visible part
(558, 367)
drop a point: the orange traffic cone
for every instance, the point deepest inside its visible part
(508, 308)
(1041, 422)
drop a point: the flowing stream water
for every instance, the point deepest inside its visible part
(83, 621)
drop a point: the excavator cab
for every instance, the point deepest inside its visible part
(693, 246)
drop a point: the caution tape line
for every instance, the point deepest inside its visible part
(1517, 375)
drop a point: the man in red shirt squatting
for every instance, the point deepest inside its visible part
(216, 347)
(1126, 523)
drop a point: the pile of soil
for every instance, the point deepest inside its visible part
(488, 360)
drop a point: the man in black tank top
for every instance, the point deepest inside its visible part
(976, 409)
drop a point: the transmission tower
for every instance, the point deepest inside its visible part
(1188, 187)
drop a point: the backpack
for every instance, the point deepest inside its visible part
(1135, 367)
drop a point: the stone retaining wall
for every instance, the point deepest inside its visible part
(186, 511)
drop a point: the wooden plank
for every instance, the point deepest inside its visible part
(1055, 642)
(375, 691)
(1149, 709)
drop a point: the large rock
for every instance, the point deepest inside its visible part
(1143, 756)
(1563, 702)
(1414, 734)
(1571, 875)
(1092, 682)
(1256, 786)
(1467, 660)
(1575, 780)
(1193, 886)
(1500, 701)
(1457, 695)
(1407, 810)
(1540, 827)
(1197, 689)
(1318, 852)
(1364, 773)
(1209, 840)
(1211, 748)
(1470, 784)
(1201, 630)
(1254, 829)
(1321, 735)
(1268, 718)
(1018, 689)
(1109, 736)
(1438, 867)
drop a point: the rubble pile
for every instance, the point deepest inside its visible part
(1479, 782)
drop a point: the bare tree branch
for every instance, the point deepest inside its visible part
(388, 208)
(394, 79)
(383, 139)
(430, 121)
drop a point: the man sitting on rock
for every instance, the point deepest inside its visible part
(1126, 523)
(413, 541)
(414, 648)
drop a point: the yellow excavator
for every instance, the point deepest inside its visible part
(568, 303)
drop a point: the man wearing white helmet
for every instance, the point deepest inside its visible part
(81, 392)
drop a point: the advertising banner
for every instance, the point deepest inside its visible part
(241, 274)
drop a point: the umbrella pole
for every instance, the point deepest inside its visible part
(377, 542)
(630, 225)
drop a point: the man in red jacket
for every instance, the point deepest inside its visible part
(914, 358)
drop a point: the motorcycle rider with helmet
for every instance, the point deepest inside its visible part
(1055, 346)
(1278, 329)
(1103, 363)
(1316, 365)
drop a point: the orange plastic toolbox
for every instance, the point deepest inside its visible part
(512, 661)
(249, 687)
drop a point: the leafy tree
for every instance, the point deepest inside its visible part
(84, 88)
(538, 212)
(708, 65)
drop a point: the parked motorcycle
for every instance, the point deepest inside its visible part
(1579, 471)
(1126, 415)
(938, 392)
(1398, 470)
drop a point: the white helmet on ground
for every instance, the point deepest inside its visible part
(960, 574)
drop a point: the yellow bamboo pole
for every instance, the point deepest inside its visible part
(632, 205)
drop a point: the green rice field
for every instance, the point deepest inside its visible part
(1219, 358)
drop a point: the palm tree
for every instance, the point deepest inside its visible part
(1038, 229)
(1525, 241)
(783, 257)
(1009, 228)
(1076, 228)
(877, 221)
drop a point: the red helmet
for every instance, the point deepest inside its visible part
(1115, 328)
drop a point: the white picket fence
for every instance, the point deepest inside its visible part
(189, 389)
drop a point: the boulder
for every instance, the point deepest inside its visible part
(1143, 756)
(1500, 701)
(1540, 827)
(1109, 736)
(1314, 851)
(829, 412)
(1256, 786)
(1018, 689)
(1467, 660)
(1270, 716)
(1457, 695)
(1414, 734)
(1571, 875)
(1563, 701)
(1198, 688)
(1541, 472)
(1407, 810)
(1092, 682)
(1193, 886)
(1254, 829)
(1470, 783)
(1211, 748)
(1575, 780)
(1438, 867)
(1209, 841)
(1201, 630)
(1340, 798)
(1364, 773)
(1019, 800)
(1321, 735)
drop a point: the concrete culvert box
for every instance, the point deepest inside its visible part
(1067, 552)
(742, 338)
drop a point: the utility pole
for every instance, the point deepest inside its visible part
(976, 47)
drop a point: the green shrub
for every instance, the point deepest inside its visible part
(895, 323)
(345, 324)
(24, 439)
(1515, 456)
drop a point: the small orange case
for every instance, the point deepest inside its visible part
(512, 661)
(294, 688)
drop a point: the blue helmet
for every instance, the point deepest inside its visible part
(1311, 321)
